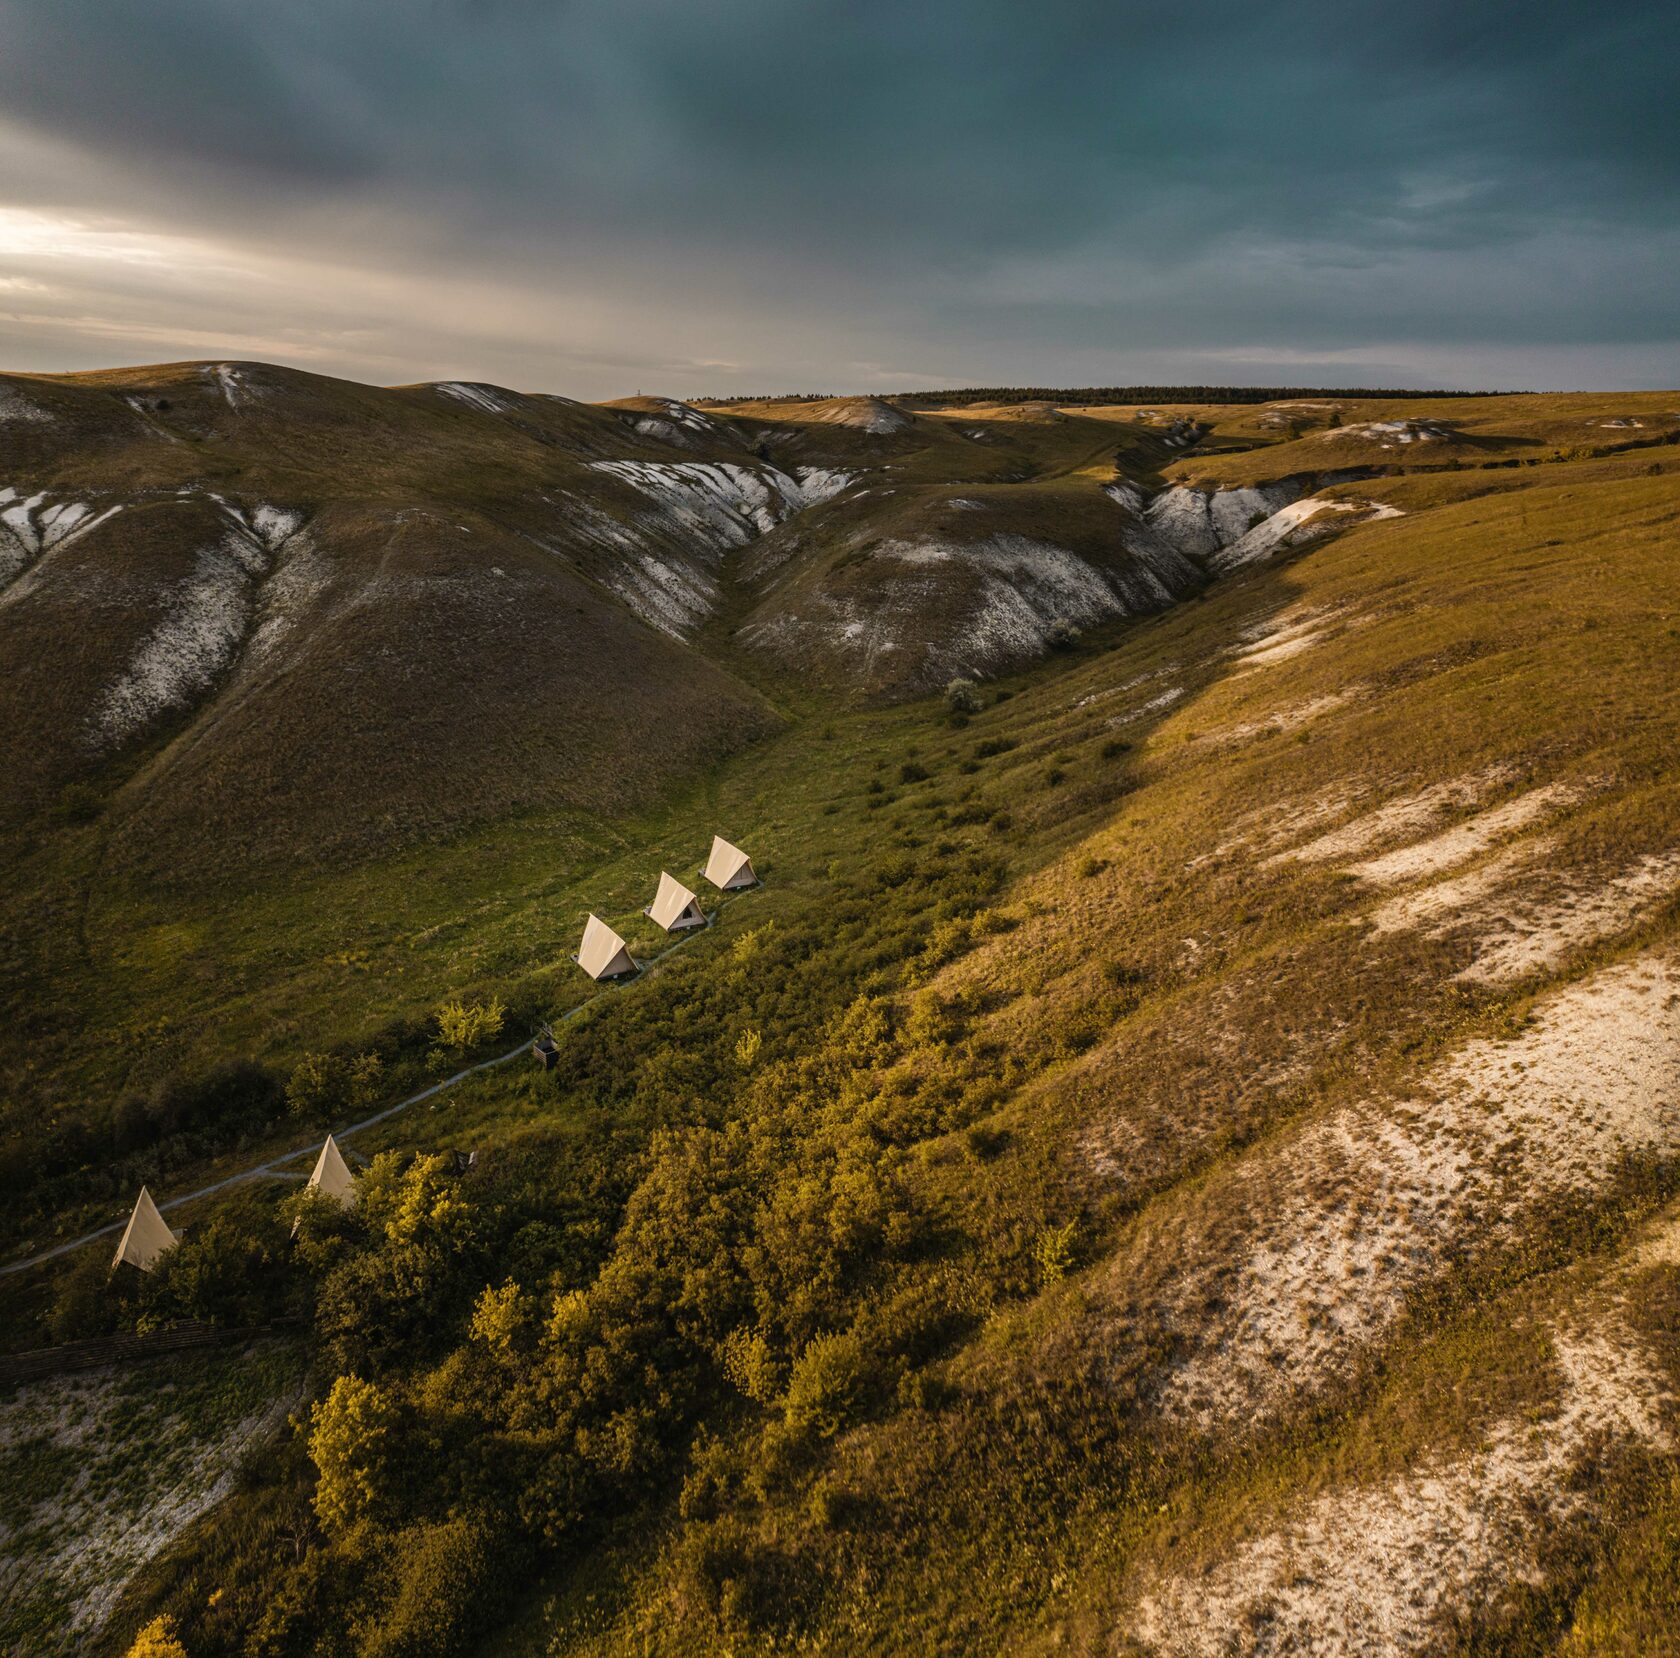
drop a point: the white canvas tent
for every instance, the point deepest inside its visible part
(728, 867)
(602, 955)
(146, 1237)
(332, 1177)
(674, 907)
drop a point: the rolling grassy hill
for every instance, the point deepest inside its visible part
(264, 631)
(1182, 1159)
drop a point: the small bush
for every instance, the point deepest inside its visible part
(1062, 636)
(158, 1640)
(1053, 1251)
(78, 803)
(319, 1086)
(934, 1020)
(910, 772)
(367, 1078)
(725, 1573)
(962, 696)
(751, 1366)
(462, 1025)
(827, 1385)
(228, 1099)
(447, 1574)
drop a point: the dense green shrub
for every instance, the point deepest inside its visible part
(445, 1577)
(319, 1086)
(228, 1270)
(828, 1385)
(157, 1640)
(462, 1025)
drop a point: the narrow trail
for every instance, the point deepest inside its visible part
(274, 1168)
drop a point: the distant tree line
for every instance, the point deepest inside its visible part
(779, 397)
(1159, 394)
(968, 395)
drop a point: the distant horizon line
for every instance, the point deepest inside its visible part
(1089, 395)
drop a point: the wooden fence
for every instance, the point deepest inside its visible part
(100, 1351)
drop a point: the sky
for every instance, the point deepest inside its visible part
(690, 197)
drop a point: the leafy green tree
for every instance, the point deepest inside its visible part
(353, 1444)
(415, 1202)
(751, 1366)
(405, 1290)
(500, 1318)
(319, 1086)
(222, 1272)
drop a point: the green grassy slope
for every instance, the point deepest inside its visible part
(1150, 1058)
(276, 648)
(1212, 1109)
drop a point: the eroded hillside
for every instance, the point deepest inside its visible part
(1182, 1159)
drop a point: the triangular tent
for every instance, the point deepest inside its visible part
(332, 1177)
(728, 867)
(602, 954)
(674, 907)
(146, 1237)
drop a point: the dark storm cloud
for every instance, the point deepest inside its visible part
(804, 192)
